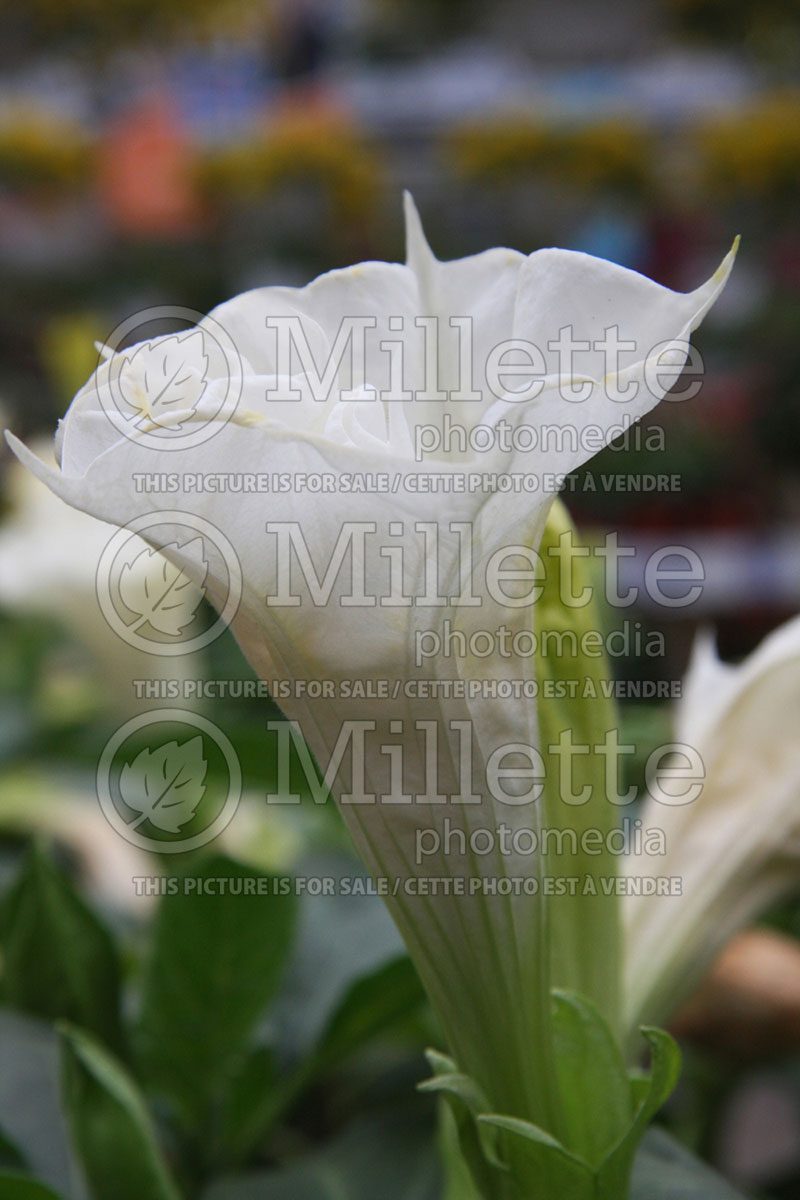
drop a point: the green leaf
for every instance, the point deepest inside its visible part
(605, 1113)
(441, 1064)
(340, 939)
(217, 956)
(539, 1165)
(465, 1090)
(666, 1171)
(459, 1180)
(589, 1065)
(59, 959)
(10, 1153)
(470, 1148)
(387, 1155)
(372, 1004)
(513, 1158)
(14, 1186)
(111, 1129)
(30, 1102)
(665, 1071)
(585, 931)
(254, 1100)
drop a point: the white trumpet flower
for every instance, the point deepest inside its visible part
(735, 846)
(380, 450)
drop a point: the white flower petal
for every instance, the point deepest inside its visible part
(565, 289)
(480, 289)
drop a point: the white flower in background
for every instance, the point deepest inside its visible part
(736, 847)
(34, 802)
(49, 556)
(392, 565)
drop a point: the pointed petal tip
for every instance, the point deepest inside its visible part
(416, 244)
(707, 293)
(724, 268)
(720, 276)
(17, 448)
(419, 255)
(705, 645)
(41, 470)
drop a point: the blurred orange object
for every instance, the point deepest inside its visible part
(146, 173)
(749, 1004)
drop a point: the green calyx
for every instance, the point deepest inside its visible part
(605, 1109)
(576, 717)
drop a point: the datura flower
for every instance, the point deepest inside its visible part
(381, 451)
(735, 844)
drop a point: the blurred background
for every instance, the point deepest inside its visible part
(177, 153)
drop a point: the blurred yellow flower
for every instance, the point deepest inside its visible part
(324, 148)
(40, 147)
(755, 150)
(614, 152)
